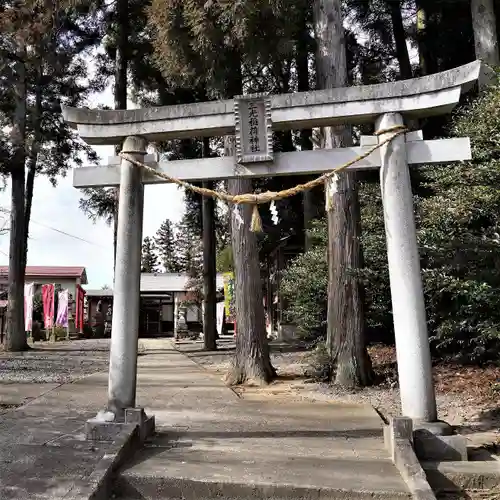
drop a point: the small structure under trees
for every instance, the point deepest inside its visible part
(252, 119)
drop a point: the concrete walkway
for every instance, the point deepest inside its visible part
(211, 444)
(43, 454)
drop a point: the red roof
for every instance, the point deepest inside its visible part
(52, 272)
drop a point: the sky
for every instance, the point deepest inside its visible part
(58, 225)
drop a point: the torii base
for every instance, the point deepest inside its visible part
(100, 429)
(431, 442)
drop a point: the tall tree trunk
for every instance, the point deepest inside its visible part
(16, 336)
(251, 362)
(120, 90)
(32, 164)
(485, 31)
(427, 62)
(306, 144)
(209, 264)
(345, 331)
(398, 30)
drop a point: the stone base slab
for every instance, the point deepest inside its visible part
(436, 428)
(103, 429)
(430, 447)
(459, 476)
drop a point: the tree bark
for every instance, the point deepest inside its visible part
(306, 144)
(121, 57)
(120, 90)
(16, 336)
(251, 363)
(485, 31)
(405, 71)
(209, 265)
(32, 164)
(427, 62)
(345, 331)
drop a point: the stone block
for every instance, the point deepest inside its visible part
(147, 429)
(97, 430)
(437, 428)
(430, 447)
(101, 428)
(135, 416)
(402, 428)
(399, 428)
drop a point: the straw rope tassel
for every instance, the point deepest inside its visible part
(256, 225)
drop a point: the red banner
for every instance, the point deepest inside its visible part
(48, 305)
(80, 298)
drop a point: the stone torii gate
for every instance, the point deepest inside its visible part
(251, 119)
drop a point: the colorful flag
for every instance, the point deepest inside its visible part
(62, 308)
(48, 305)
(220, 317)
(79, 302)
(229, 294)
(29, 290)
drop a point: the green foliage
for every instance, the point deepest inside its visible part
(188, 248)
(165, 244)
(458, 219)
(459, 236)
(99, 203)
(225, 260)
(198, 41)
(320, 364)
(304, 286)
(59, 36)
(149, 261)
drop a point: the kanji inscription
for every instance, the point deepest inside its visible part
(253, 129)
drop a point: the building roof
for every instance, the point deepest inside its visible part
(157, 282)
(52, 272)
(168, 282)
(103, 292)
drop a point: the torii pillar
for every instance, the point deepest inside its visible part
(127, 286)
(418, 400)
(121, 408)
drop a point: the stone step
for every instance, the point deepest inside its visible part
(456, 476)
(245, 486)
(237, 469)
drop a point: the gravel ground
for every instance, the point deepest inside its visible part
(55, 363)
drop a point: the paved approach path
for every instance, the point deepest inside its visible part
(43, 454)
(212, 444)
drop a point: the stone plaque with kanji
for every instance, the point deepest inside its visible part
(254, 140)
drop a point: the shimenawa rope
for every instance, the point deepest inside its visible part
(256, 199)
